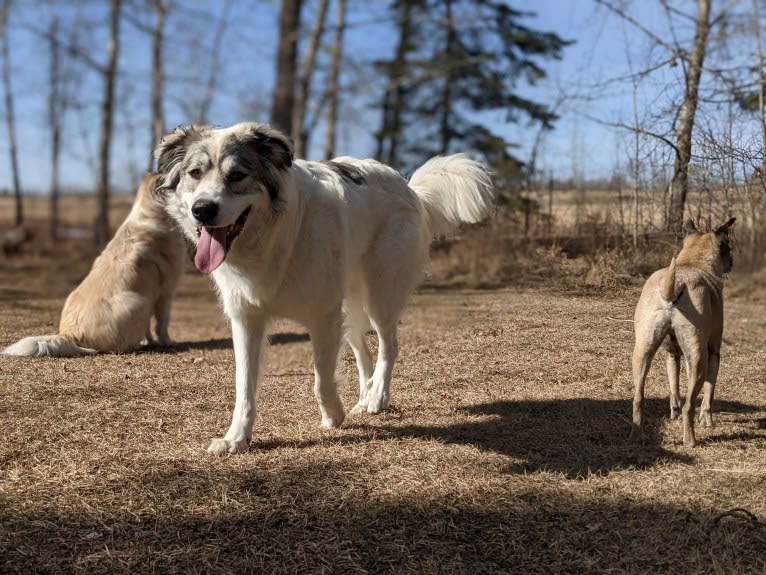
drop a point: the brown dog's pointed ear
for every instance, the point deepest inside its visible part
(690, 227)
(172, 150)
(724, 228)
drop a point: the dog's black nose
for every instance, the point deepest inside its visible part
(204, 211)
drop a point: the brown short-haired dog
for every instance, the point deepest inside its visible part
(132, 280)
(682, 306)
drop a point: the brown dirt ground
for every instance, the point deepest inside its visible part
(505, 451)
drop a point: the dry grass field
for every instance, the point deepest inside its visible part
(506, 448)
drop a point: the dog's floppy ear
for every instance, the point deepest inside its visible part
(271, 145)
(690, 227)
(270, 150)
(724, 228)
(172, 150)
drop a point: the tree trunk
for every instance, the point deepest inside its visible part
(158, 119)
(54, 119)
(287, 56)
(9, 111)
(679, 185)
(101, 229)
(300, 130)
(211, 85)
(446, 104)
(334, 87)
(757, 214)
(393, 98)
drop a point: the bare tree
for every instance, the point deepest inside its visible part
(161, 8)
(300, 129)
(287, 57)
(636, 159)
(759, 64)
(211, 85)
(333, 89)
(54, 119)
(10, 118)
(679, 185)
(101, 228)
(393, 97)
(450, 39)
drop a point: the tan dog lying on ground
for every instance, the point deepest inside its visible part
(682, 305)
(133, 279)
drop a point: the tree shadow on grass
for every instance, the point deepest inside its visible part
(312, 517)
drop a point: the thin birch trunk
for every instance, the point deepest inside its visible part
(679, 185)
(334, 87)
(300, 130)
(54, 120)
(287, 57)
(10, 117)
(161, 8)
(101, 229)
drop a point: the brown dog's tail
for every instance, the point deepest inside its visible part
(47, 346)
(668, 289)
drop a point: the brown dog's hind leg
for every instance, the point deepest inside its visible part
(706, 413)
(643, 353)
(696, 372)
(673, 365)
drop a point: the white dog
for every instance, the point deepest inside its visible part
(132, 280)
(316, 242)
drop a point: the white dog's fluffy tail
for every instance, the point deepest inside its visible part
(47, 346)
(454, 190)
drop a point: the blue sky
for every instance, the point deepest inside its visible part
(578, 146)
(581, 84)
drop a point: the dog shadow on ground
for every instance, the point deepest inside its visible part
(576, 437)
(281, 338)
(209, 344)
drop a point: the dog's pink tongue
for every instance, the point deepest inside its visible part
(211, 249)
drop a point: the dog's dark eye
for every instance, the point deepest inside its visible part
(196, 173)
(236, 176)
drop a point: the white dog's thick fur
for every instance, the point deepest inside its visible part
(328, 244)
(132, 280)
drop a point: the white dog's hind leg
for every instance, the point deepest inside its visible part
(357, 324)
(325, 338)
(248, 343)
(379, 392)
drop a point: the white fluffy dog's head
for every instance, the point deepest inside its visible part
(218, 180)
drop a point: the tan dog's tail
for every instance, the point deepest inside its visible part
(668, 289)
(47, 346)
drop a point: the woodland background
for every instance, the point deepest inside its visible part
(410, 79)
(506, 448)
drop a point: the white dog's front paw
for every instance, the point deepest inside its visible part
(360, 407)
(332, 413)
(378, 403)
(371, 404)
(223, 446)
(331, 421)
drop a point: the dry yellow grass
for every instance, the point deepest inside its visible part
(506, 449)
